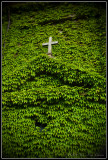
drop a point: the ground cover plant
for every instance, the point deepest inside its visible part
(54, 107)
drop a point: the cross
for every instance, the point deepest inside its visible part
(49, 44)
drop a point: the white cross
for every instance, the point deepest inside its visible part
(49, 44)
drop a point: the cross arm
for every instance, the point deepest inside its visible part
(54, 42)
(44, 44)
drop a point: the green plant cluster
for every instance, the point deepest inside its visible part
(54, 107)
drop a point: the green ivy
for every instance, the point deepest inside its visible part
(54, 107)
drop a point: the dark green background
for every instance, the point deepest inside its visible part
(54, 107)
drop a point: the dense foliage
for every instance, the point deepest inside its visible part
(54, 107)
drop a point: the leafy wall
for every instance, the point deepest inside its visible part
(54, 107)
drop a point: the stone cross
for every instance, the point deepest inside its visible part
(49, 45)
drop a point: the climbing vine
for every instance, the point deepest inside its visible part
(54, 107)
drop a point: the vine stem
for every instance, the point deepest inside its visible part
(8, 24)
(8, 19)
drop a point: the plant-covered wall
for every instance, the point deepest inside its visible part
(54, 107)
